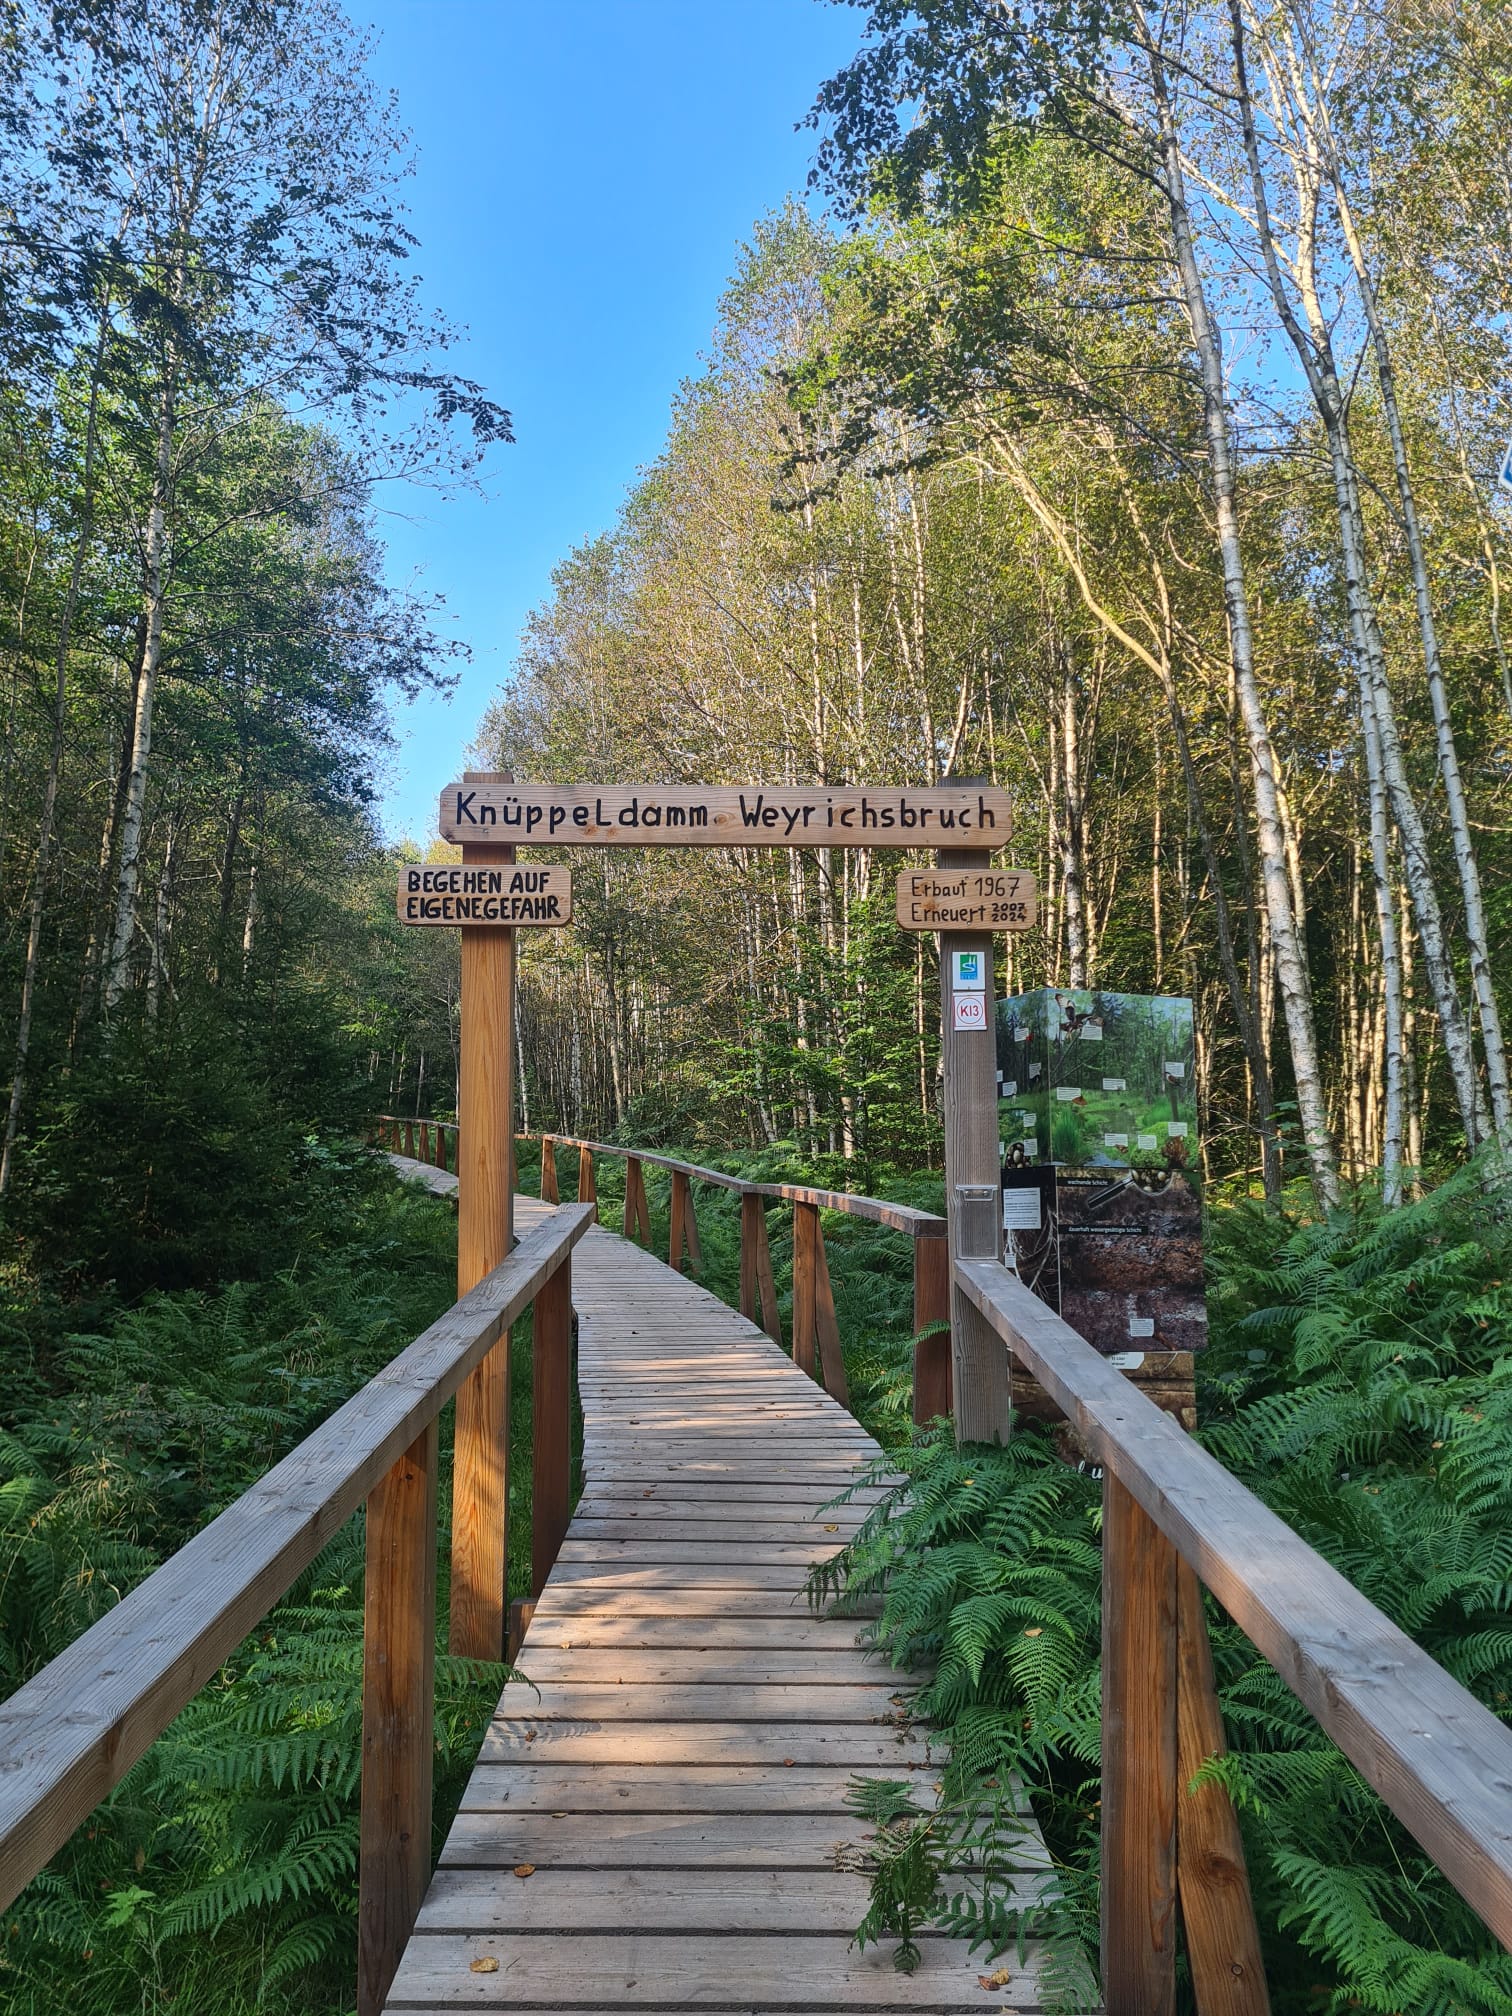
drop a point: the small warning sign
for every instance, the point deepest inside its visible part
(453, 892)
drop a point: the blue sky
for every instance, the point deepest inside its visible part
(587, 169)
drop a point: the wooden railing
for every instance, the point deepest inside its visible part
(74, 1731)
(816, 1332)
(1174, 1518)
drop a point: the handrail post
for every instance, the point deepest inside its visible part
(441, 1146)
(1139, 1752)
(805, 1285)
(548, 1170)
(551, 1432)
(637, 1212)
(398, 1714)
(409, 1139)
(751, 1219)
(931, 1373)
(826, 1324)
(679, 1218)
(587, 1182)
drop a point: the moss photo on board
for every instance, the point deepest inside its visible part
(1091, 1079)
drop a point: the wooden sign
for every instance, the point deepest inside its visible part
(455, 892)
(680, 815)
(967, 899)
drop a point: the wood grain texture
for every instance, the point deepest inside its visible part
(485, 1234)
(73, 1731)
(719, 815)
(1441, 1761)
(551, 1421)
(1139, 1760)
(1217, 1911)
(931, 1305)
(979, 1365)
(398, 1714)
(674, 1771)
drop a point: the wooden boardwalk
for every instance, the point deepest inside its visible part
(663, 1824)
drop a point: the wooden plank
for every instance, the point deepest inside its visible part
(653, 1788)
(573, 1701)
(762, 1665)
(605, 1631)
(712, 815)
(700, 1596)
(625, 1839)
(1452, 1789)
(736, 1535)
(398, 1714)
(551, 1421)
(594, 1573)
(73, 1731)
(629, 1971)
(1138, 1888)
(858, 1746)
(1217, 1912)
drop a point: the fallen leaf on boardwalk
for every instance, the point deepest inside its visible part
(998, 1980)
(560, 1816)
(487, 1965)
(833, 1529)
(566, 1644)
(524, 1869)
(789, 1762)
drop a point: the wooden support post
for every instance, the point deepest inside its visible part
(1217, 1912)
(398, 1710)
(409, 1139)
(805, 1286)
(679, 1214)
(690, 1230)
(550, 1415)
(441, 1148)
(587, 1184)
(548, 1170)
(973, 1177)
(931, 1377)
(485, 1234)
(1139, 1760)
(751, 1217)
(758, 1288)
(637, 1214)
(826, 1324)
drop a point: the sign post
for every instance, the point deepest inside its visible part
(485, 1234)
(973, 1207)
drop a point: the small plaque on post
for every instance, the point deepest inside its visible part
(459, 892)
(967, 899)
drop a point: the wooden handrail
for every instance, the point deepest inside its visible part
(1438, 1758)
(74, 1730)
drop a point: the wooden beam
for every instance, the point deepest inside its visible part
(931, 1373)
(637, 1212)
(678, 1212)
(826, 1324)
(771, 1314)
(548, 1170)
(1439, 1759)
(1217, 1911)
(587, 1186)
(805, 1287)
(398, 1712)
(973, 1175)
(485, 1234)
(1139, 1760)
(751, 1211)
(551, 1422)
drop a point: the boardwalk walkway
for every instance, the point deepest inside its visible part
(663, 1825)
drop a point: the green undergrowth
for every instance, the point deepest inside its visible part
(1360, 1382)
(220, 1876)
(871, 1267)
